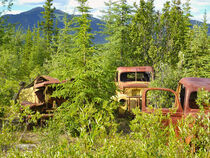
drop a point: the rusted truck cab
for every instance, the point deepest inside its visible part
(187, 92)
(131, 81)
(37, 96)
(183, 101)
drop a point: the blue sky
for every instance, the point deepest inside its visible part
(198, 7)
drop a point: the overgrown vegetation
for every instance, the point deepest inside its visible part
(86, 125)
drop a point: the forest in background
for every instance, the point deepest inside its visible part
(136, 35)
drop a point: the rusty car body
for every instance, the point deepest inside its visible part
(184, 103)
(185, 96)
(131, 81)
(37, 96)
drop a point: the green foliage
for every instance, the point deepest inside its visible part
(142, 34)
(148, 138)
(86, 125)
(196, 55)
(48, 23)
(87, 88)
(167, 77)
(160, 99)
(117, 20)
(13, 126)
(196, 128)
(203, 98)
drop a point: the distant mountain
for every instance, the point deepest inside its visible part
(32, 17)
(195, 22)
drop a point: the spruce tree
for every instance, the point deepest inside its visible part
(196, 55)
(117, 20)
(48, 23)
(10, 65)
(27, 49)
(61, 65)
(82, 36)
(38, 53)
(86, 89)
(173, 26)
(143, 33)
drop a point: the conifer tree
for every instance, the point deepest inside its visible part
(82, 37)
(107, 50)
(86, 86)
(38, 53)
(58, 66)
(10, 65)
(174, 25)
(143, 33)
(117, 20)
(74, 44)
(5, 5)
(196, 55)
(65, 37)
(48, 23)
(27, 49)
(108, 18)
(5, 28)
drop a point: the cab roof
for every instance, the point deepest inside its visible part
(42, 80)
(136, 69)
(195, 83)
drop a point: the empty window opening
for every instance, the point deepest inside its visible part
(135, 76)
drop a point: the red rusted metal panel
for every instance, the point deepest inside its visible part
(191, 85)
(42, 81)
(194, 83)
(133, 85)
(136, 69)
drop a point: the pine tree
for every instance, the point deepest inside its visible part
(196, 55)
(174, 25)
(5, 5)
(82, 37)
(117, 20)
(74, 45)
(65, 37)
(61, 65)
(48, 23)
(108, 18)
(27, 49)
(10, 65)
(86, 86)
(143, 33)
(38, 54)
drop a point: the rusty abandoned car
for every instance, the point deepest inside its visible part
(131, 82)
(183, 102)
(133, 92)
(37, 96)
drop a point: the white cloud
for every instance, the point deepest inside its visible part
(96, 4)
(197, 6)
(70, 7)
(159, 4)
(13, 12)
(97, 13)
(30, 1)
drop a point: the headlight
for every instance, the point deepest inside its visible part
(122, 101)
